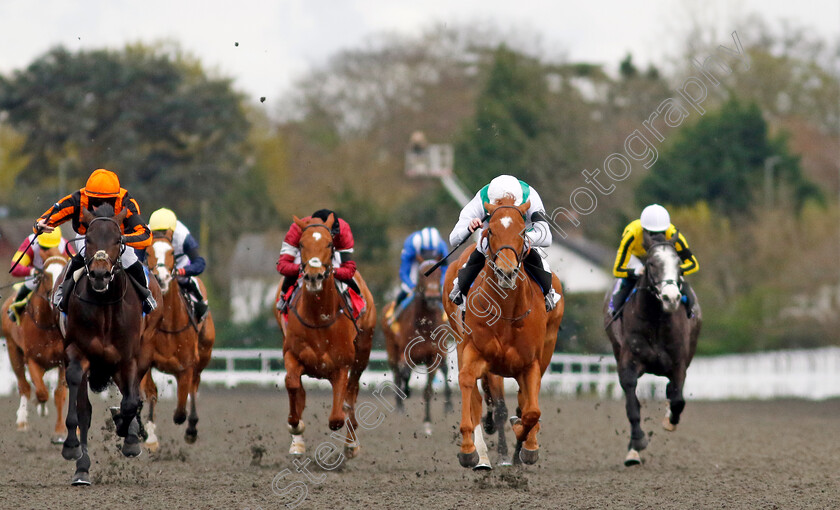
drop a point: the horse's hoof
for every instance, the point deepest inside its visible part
(190, 437)
(468, 460)
(71, 452)
(633, 458)
(301, 427)
(667, 425)
(484, 466)
(152, 447)
(57, 440)
(427, 428)
(131, 449)
(179, 418)
(529, 456)
(298, 447)
(351, 452)
(81, 478)
(22, 427)
(336, 424)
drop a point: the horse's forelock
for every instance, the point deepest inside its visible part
(104, 211)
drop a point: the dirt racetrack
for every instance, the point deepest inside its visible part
(777, 454)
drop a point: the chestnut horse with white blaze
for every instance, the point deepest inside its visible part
(36, 343)
(321, 339)
(410, 341)
(505, 332)
(182, 346)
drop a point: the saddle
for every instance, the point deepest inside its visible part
(352, 300)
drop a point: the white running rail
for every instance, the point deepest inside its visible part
(809, 374)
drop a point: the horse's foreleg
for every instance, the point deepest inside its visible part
(84, 413)
(447, 390)
(339, 387)
(398, 382)
(628, 376)
(297, 402)
(74, 372)
(191, 433)
(42, 394)
(351, 443)
(59, 396)
(24, 389)
(496, 387)
(150, 393)
(527, 427)
(129, 409)
(185, 384)
(471, 369)
(674, 392)
(427, 400)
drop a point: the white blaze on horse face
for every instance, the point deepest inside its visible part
(506, 221)
(669, 261)
(54, 270)
(161, 248)
(316, 236)
(315, 262)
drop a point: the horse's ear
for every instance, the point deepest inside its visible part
(121, 216)
(523, 209)
(330, 221)
(646, 240)
(299, 222)
(87, 215)
(490, 208)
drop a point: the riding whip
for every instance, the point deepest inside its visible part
(30, 245)
(453, 250)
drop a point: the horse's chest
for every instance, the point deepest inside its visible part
(650, 351)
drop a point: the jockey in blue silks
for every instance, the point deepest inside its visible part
(420, 245)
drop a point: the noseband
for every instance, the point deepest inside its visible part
(116, 266)
(492, 255)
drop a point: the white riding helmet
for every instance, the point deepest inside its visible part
(504, 185)
(655, 218)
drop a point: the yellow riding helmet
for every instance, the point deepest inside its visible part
(50, 240)
(163, 219)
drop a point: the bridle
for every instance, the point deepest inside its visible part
(116, 266)
(653, 286)
(492, 255)
(329, 265)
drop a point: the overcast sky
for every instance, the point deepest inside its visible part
(280, 40)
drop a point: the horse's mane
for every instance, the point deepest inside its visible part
(104, 211)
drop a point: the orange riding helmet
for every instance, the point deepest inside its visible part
(102, 184)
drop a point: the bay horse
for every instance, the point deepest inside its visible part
(410, 343)
(105, 340)
(653, 335)
(36, 343)
(505, 332)
(182, 346)
(320, 338)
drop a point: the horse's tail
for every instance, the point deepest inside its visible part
(99, 375)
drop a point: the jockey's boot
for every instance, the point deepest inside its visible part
(200, 306)
(138, 274)
(284, 289)
(620, 294)
(690, 298)
(351, 284)
(533, 264)
(62, 293)
(16, 308)
(466, 277)
(399, 305)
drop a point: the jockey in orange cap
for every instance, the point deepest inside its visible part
(102, 187)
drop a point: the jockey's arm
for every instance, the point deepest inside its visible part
(60, 212)
(343, 243)
(23, 268)
(197, 262)
(537, 229)
(689, 260)
(474, 209)
(407, 259)
(135, 231)
(286, 264)
(622, 258)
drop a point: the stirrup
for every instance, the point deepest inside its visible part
(149, 304)
(281, 304)
(456, 297)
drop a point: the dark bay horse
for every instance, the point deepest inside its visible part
(653, 335)
(36, 343)
(410, 343)
(182, 346)
(104, 340)
(320, 338)
(505, 332)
